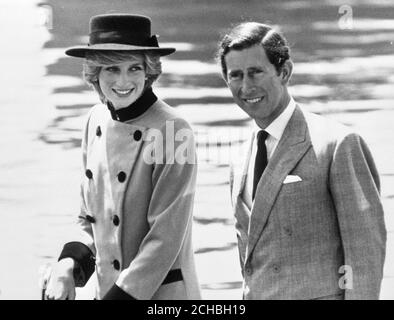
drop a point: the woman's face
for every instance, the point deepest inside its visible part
(123, 83)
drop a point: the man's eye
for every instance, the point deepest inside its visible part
(235, 76)
(255, 72)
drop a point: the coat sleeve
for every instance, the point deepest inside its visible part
(355, 187)
(169, 216)
(82, 248)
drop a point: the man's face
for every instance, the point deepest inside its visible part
(255, 84)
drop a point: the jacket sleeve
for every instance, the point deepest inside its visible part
(169, 216)
(82, 248)
(355, 187)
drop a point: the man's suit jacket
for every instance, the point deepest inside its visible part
(312, 238)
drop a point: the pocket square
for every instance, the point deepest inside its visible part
(291, 179)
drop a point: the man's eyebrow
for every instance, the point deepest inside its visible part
(233, 72)
(256, 68)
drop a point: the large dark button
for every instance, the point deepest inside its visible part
(115, 220)
(137, 135)
(90, 219)
(98, 131)
(121, 176)
(116, 264)
(89, 174)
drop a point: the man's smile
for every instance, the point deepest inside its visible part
(254, 100)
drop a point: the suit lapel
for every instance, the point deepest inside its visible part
(292, 146)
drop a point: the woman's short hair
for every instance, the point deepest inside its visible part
(95, 60)
(249, 34)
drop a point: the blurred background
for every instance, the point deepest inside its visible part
(344, 69)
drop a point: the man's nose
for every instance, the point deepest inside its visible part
(248, 85)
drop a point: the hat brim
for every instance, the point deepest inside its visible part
(80, 51)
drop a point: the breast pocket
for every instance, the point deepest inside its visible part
(307, 192)
(304, 207)
(297, 191)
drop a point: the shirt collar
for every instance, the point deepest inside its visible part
(278, 126)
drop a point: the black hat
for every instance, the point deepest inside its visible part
(120, 32)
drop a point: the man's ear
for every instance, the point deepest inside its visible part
(287, 71)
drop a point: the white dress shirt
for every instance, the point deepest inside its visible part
(275, 131)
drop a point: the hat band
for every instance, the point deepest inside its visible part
(100, 37)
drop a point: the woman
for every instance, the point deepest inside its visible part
(139, 176)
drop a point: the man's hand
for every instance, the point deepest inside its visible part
(61, 285)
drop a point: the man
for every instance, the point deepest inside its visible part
(308, 213)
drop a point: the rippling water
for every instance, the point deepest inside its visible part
(342, 52)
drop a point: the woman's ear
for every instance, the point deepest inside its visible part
(287, 71)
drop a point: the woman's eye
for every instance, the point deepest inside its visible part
(111, 69)
(136, 68)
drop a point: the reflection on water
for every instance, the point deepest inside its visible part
(360, 39)
(335, 69)
(363, 25)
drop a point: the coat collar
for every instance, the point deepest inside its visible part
(293, 145)
(134, 110)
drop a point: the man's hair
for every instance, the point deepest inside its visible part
(249, 34)
(96, 60)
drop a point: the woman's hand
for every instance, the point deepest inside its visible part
(61, 285)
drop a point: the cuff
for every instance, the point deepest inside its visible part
(116, 293)
(83, 256)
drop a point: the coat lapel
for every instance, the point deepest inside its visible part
(292, 146)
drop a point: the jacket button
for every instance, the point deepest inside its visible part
(98, 131)
(116, 264)
(89, 174)
(121, 176)
(115, 220)
(90, 219)
(248, 270)
(137, 135)
(276, 268)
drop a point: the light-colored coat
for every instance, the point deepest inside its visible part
(154, 204)
(297, 236)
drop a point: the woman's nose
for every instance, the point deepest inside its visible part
(123, 79)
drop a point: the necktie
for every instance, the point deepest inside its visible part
(261, 159)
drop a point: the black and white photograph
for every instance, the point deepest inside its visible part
(197, 150)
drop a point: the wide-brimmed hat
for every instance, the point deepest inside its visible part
(120, 32)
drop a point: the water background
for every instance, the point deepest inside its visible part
(343, 55)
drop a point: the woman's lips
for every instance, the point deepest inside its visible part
(122, 93)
